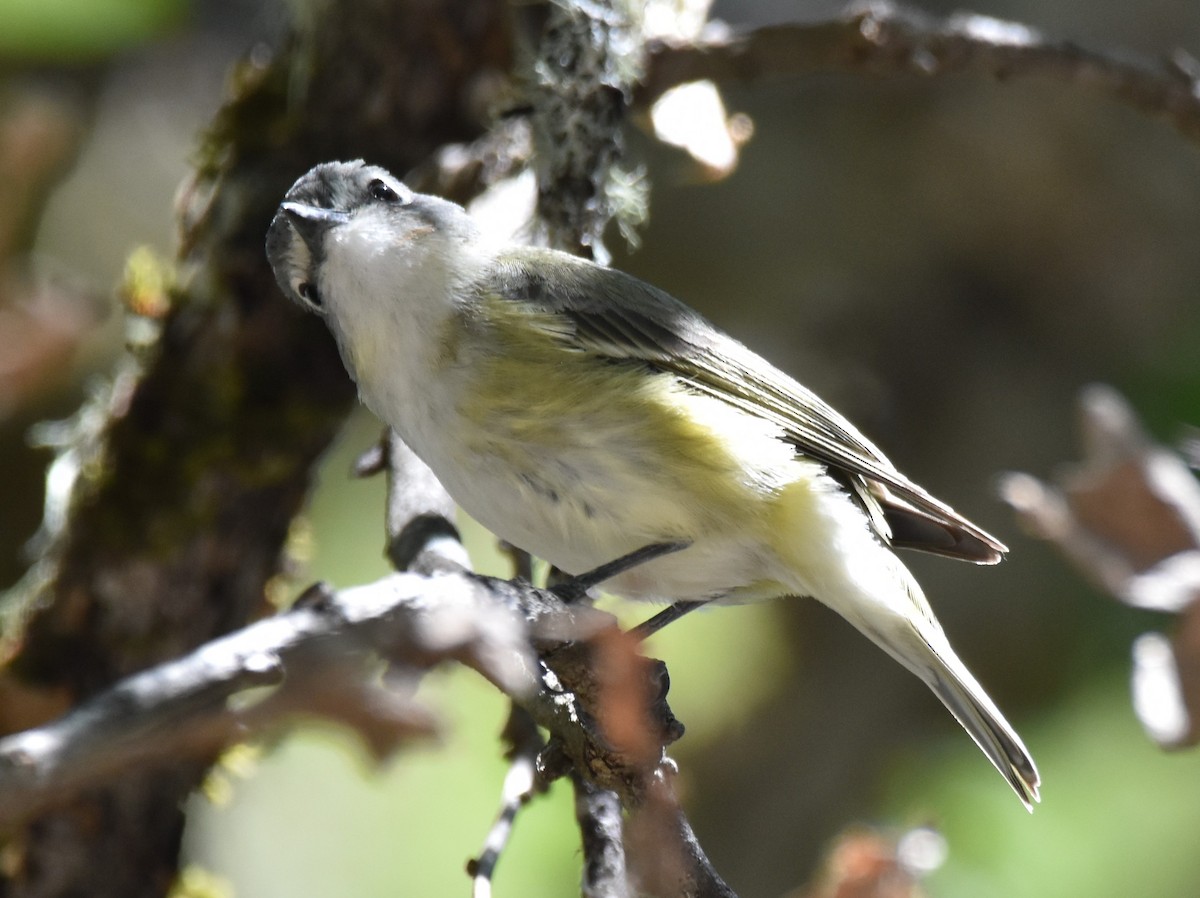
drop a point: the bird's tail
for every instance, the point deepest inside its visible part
(962, 694)
(922, 647)
(830, 554)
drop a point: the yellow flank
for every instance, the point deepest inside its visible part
(543, 406)
(796, 510)
(800, 528)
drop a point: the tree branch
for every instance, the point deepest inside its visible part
(598, 813)
(586, 63)
(881, 38)
(665, 854)
(182, 708)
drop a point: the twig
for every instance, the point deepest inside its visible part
(520, 784)
(420, 514)
(702, 879)
(461, 172)
(882, 38)
(665, 856)
(584, 67)
(598, 813)
(179, 709)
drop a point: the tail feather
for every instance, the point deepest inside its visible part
(860, 579)
(921, 646)
(970, 705)
(918, 642)
(915, 639)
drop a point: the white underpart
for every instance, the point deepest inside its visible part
(387, 302)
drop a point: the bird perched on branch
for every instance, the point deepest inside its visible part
(583, 415)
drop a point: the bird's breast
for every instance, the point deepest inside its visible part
(580, 460)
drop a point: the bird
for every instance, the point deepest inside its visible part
(584, 415)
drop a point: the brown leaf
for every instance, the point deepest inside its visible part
(864, 863)
(1128, 517)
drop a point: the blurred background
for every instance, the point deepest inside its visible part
(947, 261)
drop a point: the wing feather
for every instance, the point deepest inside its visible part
(616, 316)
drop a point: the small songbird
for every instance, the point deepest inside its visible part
(581, 414)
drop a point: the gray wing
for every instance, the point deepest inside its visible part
(616, 316)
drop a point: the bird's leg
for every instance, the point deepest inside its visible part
(671, 613)
(576, 588)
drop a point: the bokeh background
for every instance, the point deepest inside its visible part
(948, 261)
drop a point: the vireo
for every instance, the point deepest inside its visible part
(581, 414)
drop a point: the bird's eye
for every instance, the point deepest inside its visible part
(307, 291)
(379, 189)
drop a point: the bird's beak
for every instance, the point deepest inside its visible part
(311, 222)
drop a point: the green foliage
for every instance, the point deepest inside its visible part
(81, 30)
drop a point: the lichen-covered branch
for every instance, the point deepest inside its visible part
(585, 61)
(598, 813)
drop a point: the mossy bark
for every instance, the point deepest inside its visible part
(198, 457)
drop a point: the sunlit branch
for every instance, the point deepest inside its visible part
(881, 38)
